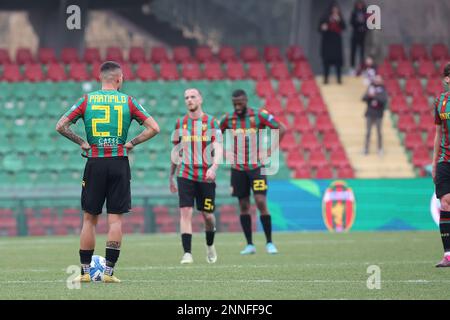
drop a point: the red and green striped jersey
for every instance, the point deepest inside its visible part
(246, 153)
(442, 118)
(107, 115)
(194, 137)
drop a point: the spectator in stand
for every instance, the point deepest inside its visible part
(358, 21)
(331, 27)
(368, 71)
(376, 99)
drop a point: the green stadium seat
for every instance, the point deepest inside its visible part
(45, 145)
(75, 161)
(23, 145)
(45, 178)
(12, 111)
(23, 180)
(23, 90)
(134, 88)
(5, 91)
(69, 178)
(33, 109)
(35, 162)
(45, 90)
(69, 90)
(12, 163)
(6, 180)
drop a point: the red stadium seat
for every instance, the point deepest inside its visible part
(426, 121)
(235, 71)
(169, 71)
(163, 220)
(264, 89)
(420, 105)
(273, 105)
(4, 56)
(288, 142)
(434, 87)
(227, 54)
(295, 106)
(159, 55)
(413, 87)
(136, 55)
(309, 88)
(286, 88)
(249, 54)
(56, 72)
(295, 54)
(392, 87)
(331, 141)
(257, 71)
(309, 141)
(295, 159)
(78, 71)
(324, 173)
(33, 72)
(204, 54)
(145, 72)
(24, 56)
(418, 52)
(439, 51)
(272, 54)
(92, 55)
(406, 123)
(128, 73)
(114, 54)
(396, 52)
(181, 54)
(69, 55)
(429, 142)
(281, 118)
(279, 71)
(405, 69)
(316, 158)
(303, 172)
(11, 73)
(191, 71)
(229, 219)
(398, 105)
(324, 124)
(338, 158)
(345, 173)
(421, 156)
(302, 70)
(95, 71)
(302, 124)
(427, 69)
(317, 106)
(46, 55)
(213, 71)
(413, 140)
(385, 70)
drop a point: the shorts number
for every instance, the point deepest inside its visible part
(259, 185)
(107, 119)
(208, 204)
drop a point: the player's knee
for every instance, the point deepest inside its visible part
(186, 213)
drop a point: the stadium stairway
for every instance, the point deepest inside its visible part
(347, 113)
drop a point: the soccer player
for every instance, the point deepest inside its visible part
(441, 164)
(194, 136)
(247, 176)
(107, 114)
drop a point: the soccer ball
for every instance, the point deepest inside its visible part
(98, 265)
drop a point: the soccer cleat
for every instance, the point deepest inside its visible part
(271, 249)
(249, 249)
(83, 278)
(187, 258)
(445, 262)
(110, 279)
(211, 254)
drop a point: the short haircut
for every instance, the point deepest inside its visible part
(239, 93)
(199, 92)
(447, 70)
(109, 66)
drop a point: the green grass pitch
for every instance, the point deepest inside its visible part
(309, 266)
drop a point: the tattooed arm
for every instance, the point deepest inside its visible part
(63, 127)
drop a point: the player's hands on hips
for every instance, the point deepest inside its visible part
(173, 186)
(433, 172)
(129, 146)
(85, 146)
(211, 175)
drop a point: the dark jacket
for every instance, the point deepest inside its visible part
(331, 45)
(376, 104)
(358, 21)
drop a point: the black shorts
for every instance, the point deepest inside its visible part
(204, 194)
(106, 178)
(244, 181)
(442, 179)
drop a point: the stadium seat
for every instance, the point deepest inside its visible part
(190, 71)
(272, 54)
(213, 71)
(434, 87)
(286, 88)
(309, 141)
(169, 71)
(426, 121)
(295, 159)
(4, 56)
(181, 54)
(302, 124)
(128, 73)
(406, 123)
(413, 140)
(136, 55)
(24, 56)
(46, 55)
(338, 158)
(295, 54)
(229, 219)
(249, 54)
(324, 173)
(279, 71)
(235, 71)
(289, 142)
(227, 54)
(163, 220)
(398, 105)
(324, 124)
(69, 55)
(413, 87)
(33, 72)
(345, 173)
(309, 88)
(257, 71)
(78, 71)
(159, 55)
(302, 70)
(114, 54)
(421, 156)
(264, 89)
(418, 52)
(385, 70)
(204, 54)
(420, 104)
(405, 69)
(273, 105)
(396, 52)
(317, 158)
(11, 73)
(392, 87)
(303, 172)
(56, 72)
(8, 226)
(295, 106)
(330, 140)
(145, 72)
(92, 55)
(427, 69)
(439, 51)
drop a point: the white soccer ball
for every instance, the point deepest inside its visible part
(98, 265)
